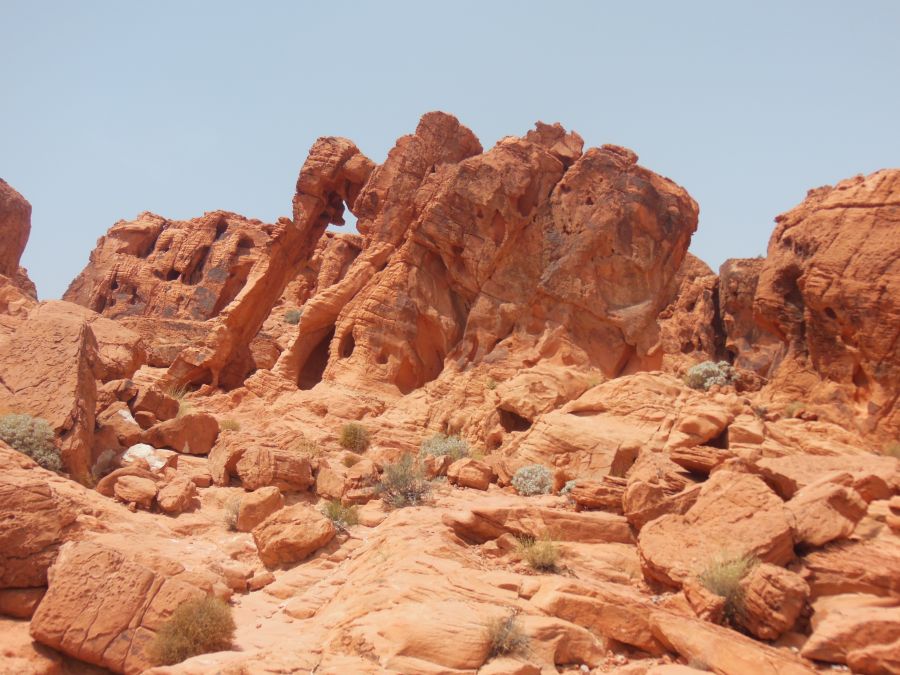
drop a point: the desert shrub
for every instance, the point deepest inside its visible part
(232, 507)
(723, 575)
(309, 447)
(540, 554)
(566, 489)
(355, 437)
(350, 460)
(706, 374)
(342, 516)
(505, 636)
(292, 316)
(31, 436)
(491, 383)
(892, 449)
(229, 425)
(403, 483)
(440, 445)
(196, 627)
(533, 479)
(793, 409)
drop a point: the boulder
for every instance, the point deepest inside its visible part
(177, 495)
(15, 226)
(20, 603)
(772, 600)
(470, 473)
(136, 490)
(103, 608)
(735, 515)
(824, 511)
(857, 630)
(258, 505)
(261, 466)
(156, 402)
(193, 433)
(866, 566)
(605, 494)
(292, 534)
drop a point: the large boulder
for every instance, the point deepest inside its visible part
(735, 515)
(15, 226)
(292, 534)
(193, 433)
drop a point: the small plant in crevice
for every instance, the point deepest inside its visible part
(229, 425)
(309, 447)
(342, 516)
(232, 508)
(892, 449)
(403, 483)
(793, 409)
(32, 436)
(542, 555)
(505, 636)
(196, 627)
(491, 384)
(533, 479)
(441, 444)
(723, 575)
(354, 436)
(566, 489)
(704, 375)
(292, 316)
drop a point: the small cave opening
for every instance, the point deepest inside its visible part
(830, 313)
(196, 274)
(316, 362)
(221, 229)
(720, 441)
(348, 344)
(511, 421)
(172, 274)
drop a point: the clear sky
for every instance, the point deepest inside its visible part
(111, 108)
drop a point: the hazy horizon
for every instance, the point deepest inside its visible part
(113, 108)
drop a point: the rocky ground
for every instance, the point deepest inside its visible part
(535, 304)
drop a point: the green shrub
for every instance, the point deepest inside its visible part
(292, 316)
(229, 425)
(706, 374)
(355, 437)
(566, 489)
(723, 575)
(491, 383)
(31, 436)
(533, 479)
(403, 483)
(540, 554)
(342, 516)
(892, 449)
(505, 636)
(196, 627)
(440, 445)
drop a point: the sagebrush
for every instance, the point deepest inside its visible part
(506, 637)
(292, 316)
(441, 444)
(403, 483)
(723, 575)
(342, 516)
(196, 627)
(705, 375)
(31, 436)
(533, 479)
(354, 436)
(229, 425)
(232, 508)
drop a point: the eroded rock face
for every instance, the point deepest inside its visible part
(829, 290)
(15, 226)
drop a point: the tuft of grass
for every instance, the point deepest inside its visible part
(723, 575)
(893, 449)
(309, 447)
(351, 460)
(540, 554)
(232, 507)
(403, 483)
(196, 627)
(505, 636)
(793, 408)
(32, 436)
(342, 516)
(354, 437)
(441, 444)
(292, 316)
(229, 425)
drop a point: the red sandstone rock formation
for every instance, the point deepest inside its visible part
(518, 297)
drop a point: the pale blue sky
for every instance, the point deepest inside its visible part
(111, 108)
